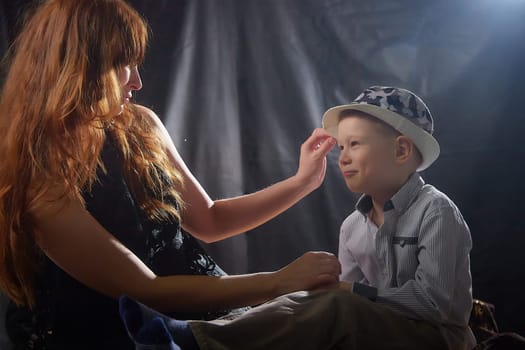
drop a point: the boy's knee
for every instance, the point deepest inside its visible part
(341, 295)
(347, 302)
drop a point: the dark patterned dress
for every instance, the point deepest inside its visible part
(69, 315)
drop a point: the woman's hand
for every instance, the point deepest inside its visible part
(310, 271)
(312, 162)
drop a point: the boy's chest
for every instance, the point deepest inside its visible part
(396, 250)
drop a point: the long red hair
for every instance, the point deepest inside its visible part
(56, 107)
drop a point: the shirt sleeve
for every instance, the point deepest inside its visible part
(350, 271)
(443, 244)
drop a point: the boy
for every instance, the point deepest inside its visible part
(406, 246)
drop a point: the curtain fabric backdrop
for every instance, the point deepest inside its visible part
(240, 84)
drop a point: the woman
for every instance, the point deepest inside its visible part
(94, 197)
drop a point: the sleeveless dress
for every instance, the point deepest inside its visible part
(69, 315)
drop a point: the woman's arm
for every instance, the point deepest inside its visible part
(76, 242)
(211, 220)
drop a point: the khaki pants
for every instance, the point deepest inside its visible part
(329, 319)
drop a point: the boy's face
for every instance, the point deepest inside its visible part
(367, 155)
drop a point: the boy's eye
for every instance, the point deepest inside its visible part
(354, 143)
(341, 147)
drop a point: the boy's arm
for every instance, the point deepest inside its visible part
(443, 255)
(350, 271)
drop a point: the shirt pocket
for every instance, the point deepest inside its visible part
(402, 241)
(405, 252)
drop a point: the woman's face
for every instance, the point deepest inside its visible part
(129, 79)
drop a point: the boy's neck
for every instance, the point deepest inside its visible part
(377, 215)
(379, 201)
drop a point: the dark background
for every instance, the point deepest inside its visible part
(240, 84)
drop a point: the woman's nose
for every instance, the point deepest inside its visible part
(135, 83)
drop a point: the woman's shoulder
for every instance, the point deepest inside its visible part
(150, 117)
(154, 122)
(146, 112)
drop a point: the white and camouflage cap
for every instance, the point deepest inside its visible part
(399, 108)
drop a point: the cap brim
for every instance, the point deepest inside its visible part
(424, 141)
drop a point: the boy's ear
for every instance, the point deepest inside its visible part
(404, 149)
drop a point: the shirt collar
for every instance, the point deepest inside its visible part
(399, 201)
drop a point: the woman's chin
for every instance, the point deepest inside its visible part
(119, 110)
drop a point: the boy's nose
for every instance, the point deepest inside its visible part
(344, 159)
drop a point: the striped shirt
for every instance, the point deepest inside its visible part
(417, 262)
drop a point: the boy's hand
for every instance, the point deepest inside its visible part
(346, 285)
(312, 162)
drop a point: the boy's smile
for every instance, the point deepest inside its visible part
(367, 155)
